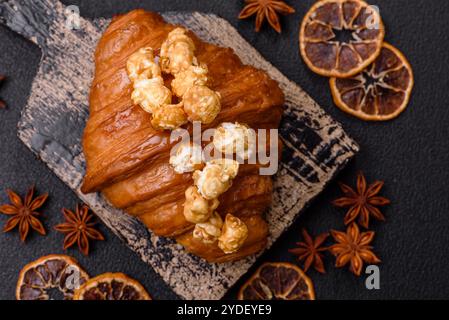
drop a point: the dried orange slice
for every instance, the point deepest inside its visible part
(50, 277)
(380, 92)
(111, 286)
(278, 281)
(339, 38)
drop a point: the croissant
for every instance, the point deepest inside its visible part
(128, 160)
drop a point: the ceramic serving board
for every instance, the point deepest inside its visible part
(315, 146)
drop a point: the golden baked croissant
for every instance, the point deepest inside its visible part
(128, 160)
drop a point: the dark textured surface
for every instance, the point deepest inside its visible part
(52, 123)
(409, 153)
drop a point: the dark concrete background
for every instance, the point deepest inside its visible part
(410, 153)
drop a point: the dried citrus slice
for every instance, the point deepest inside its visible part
(278, 281)
(339, 38)
(380, 92)
(111, 286)
(50, 277)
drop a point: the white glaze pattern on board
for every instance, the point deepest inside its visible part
(316, 147)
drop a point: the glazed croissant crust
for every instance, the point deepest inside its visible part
(128, 160)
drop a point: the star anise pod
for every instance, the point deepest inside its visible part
(79, 228)
(310, 251)
(268, 9)
(23, 213)
(2, 103)
(362, 202)
(353, 247)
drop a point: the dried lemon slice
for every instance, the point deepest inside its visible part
(49, 276)
(339, 38)
(280, 281)
(111, 286)
(380, 92)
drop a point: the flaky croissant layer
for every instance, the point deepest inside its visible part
(128, 160)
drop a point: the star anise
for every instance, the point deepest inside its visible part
(362, 202)
(353, 247)
(2, 103)
(24, 213)
(268, 9)
(79, 228)
(310, 251)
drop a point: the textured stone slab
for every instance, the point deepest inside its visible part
(316, 147)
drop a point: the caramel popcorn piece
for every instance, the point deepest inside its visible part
(141, 65)
(209, 231)
(168, 116)
(216, 177)
(151, 94)
(201, 104)
(176, 57)
(196, 208)
(149, 90)
(194, 75)
(229, 167)
(235, 138)
(233, 234)
(177, 52)
(186, 157)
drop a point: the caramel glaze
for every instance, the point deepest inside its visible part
(127, 159)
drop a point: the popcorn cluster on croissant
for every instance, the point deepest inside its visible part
(152, 77)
